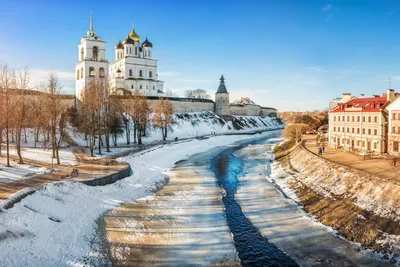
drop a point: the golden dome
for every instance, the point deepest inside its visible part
(134, 36)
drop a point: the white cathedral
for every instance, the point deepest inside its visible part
(132, 69)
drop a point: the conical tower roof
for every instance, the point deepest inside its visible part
(221, 87)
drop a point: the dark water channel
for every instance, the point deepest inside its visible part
(253, 248)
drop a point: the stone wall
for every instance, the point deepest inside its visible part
(252, 110)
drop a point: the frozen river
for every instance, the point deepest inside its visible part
(218, 209)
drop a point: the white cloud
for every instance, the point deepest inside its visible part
(66, 79)
(317, 69)
(327, 7)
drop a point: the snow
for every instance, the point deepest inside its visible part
(67, 156)
(17, 171)
(56, 226)
(284, 223)
(196, 124)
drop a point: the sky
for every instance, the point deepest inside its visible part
(287, 54)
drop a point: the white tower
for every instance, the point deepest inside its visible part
(92, 62)
(222, 99)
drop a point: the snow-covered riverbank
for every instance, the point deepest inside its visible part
(285, 224)
(57, 226)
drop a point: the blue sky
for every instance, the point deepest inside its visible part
(292, 55)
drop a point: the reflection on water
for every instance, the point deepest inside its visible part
(253, 248)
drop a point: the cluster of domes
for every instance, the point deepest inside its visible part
(133, 38)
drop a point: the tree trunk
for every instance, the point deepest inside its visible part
(18, 145)
(1, 139)
(134, 132)
(99, 141)
(26, 140)
(8, 143)
(139, 135)
(127, 131)
(108, 141)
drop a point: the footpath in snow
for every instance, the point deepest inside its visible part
(57, 226)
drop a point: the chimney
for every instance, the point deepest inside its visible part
(345, 97)
(390, 95)
(362, 96)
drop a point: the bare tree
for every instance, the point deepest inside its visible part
(5, 84)
(197, 93)
(163, 116)
(139, 112)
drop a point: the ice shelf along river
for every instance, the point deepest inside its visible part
(218, 208)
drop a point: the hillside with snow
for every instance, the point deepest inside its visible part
(197, 124)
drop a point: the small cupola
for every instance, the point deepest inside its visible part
(128, 40)
(134, 36)
(119, 45)
(147, 43)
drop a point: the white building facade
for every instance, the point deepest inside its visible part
(133, 68)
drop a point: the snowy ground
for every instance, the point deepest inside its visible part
(197, 124)
(281, 220)
(56, 226)
(67, 156)
(17, 171)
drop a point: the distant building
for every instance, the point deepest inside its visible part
(361, 123)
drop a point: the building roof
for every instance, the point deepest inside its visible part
(119, 45)
(367, 104)
(134, 36)
(221, 87)
(128, 40)
(147, 43)
(245, 101)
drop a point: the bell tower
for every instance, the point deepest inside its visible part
(222, 99)
(92, 62)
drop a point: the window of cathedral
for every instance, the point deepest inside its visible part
(136, 51)
(154, 88)
(81, 72)
(140, 73)
(150, 74)
(148, 53)
(101, 73)
(77, 75)
(92, 72)
(140, 87)
(130, 72)
(95, 53)
(82, 54)
(130, 50)
(132, 86)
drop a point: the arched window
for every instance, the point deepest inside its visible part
(154, 88)
(148, 53)
(81, 72)
(130, 72)
(150, 74)
(95, 53)
(140, 73)
(130, 50)
(140, 87)
(136, 51)
(82, 54)
(132, 86)
(101, 73)
(92, 72)
(77, 75)
(127, 50)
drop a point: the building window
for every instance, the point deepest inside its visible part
(343, 118)
(92, 72)
(334, 118)
(154, 88)
(148, 54)
(393, 129)
(358, 130)
(82, 54)
(130, 72)
(394, 116)
(342, 129)
(398, 129)
(358, 118)
(376, 119)
(81, 72)
(127, 50)
(140, 73)
(352, 130)
(395, 146)
(375, 145)
(140, 87)
(150, 74)
(95, 53)
(363, 130)
(369, 118)
(363, 119)
(352, 118)
(369, 131)
(334, 129)
(77, 75)
(375, 132)
(338, 129)
(348, 129)
(101, 73)
(136, 51)
(338, 118)
(363, 143)
(132, 86)
(358, 142)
